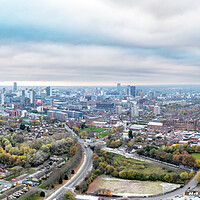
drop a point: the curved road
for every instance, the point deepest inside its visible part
(86, 166)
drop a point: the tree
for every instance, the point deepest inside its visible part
(188, 160)
(198, 177)
(197, 149)
(109, 169)
(198, 163)
(76, 129)
(60, 180)
(131, 143)
(22, 126)
(42, 194)
(66, 177)
(138, 139)
(130, 134)
(191, 173)
(69, 196)
(184, 176)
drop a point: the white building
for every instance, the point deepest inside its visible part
(40, 109)
(157, 110)
(134, 111)
(24, 113)
(119, 109)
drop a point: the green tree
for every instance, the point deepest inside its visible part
(69, 196)
(184, 176)
(42, 194)
(130, 134)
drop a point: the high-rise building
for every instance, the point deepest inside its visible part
(131, 91)
(134, 111)
(48, 91)
(23, 93)
(32, 98)
(118, 88)
(4, 90)
(15, 87)
(157, 110)
(2, 99)
(119, 109)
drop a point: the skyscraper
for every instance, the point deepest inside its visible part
(118, 88)
(4, 90)
(119, 110)
(32, 98)
(48, 91)
(15, 87)
(157, 110)
(131, 90)
(2, 99)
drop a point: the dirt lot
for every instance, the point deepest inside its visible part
(128, 187)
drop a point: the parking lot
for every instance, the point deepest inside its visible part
(4, 185)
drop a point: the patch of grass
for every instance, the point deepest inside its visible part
(140, 166)
(13, 176)
(93, 129)
(30, 171)
(26, 123)
(32, 195)
(104, 134)
(196, 155)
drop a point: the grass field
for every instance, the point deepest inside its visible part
(196, 155)
(140, 166)
(104, 134)
(93, 129)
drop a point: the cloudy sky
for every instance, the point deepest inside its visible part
(99, 42)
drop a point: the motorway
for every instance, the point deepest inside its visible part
(78, 177)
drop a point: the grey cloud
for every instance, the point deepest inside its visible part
(42, 62)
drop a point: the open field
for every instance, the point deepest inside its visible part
(93, 129)
(117, 186)
(140, 166)
(196, 155)
(104, 134)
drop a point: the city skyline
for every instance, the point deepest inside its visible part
(76, 43)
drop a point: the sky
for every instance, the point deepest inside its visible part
(99, 42)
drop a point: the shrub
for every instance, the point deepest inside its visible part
(42, 194)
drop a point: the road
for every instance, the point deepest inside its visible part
(81, 173)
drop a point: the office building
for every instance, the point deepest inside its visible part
(157, 110)
(119, 88)
(119, 109)
(23, 93)
(105, 106)
(32, 98)
(4, 90)
(134, 111)
(131, 91)
(15, 87)
(2, 99)
(48, 91)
